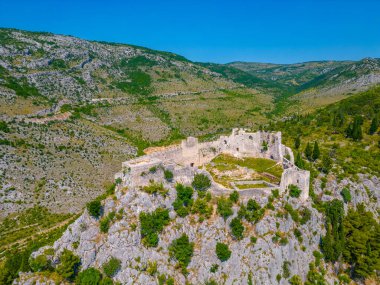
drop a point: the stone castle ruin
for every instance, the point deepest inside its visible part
(191, 156)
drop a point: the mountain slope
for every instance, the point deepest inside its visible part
(72, 110)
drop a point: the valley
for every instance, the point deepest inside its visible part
(72, 110)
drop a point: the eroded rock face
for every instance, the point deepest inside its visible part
(263, 261)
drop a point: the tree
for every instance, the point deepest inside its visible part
(69, 264)
(111, 267)
(297, 142)
(299, 161)
(362, 242)
(326, 164)
(40, 263)
(346, 194)
(184, 200)
(316, 152)
(224, 207)
(90, 276)
(201, 182)
(354, 129)
(222, 251)
(237, 228)
(333, 243)
(152, 224)
(182, 250)
(234, 196)
(374, 126)
(309, 152)
(94, 208)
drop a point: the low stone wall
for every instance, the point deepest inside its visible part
(184, 160)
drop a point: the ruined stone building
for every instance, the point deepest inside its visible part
(190, 156)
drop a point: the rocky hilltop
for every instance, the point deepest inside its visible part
(268, 246)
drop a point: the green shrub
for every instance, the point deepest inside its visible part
(201, 182)
(275, 193)
(292, 212)
(168, 175)
(252, 212)
(153, 169)
(182, 250)
(90, 276)
(224, 207)
(305, 216)
(184, 200)
(237, 228)
(106, 281)
(152, 224)
(111, 267)
(346, 194)
(69, 264)
(295, 280)
(286, 269)
(94, 208)
(40, 263)
(222, 251)
(253, 240)
(4, 127)
(214, 268)
(152, 268)
(234, 196)
(154, 188)
(294, 191)
(202, 207)
(104, 225)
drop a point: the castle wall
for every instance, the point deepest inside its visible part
(298, 177)
(240, 143)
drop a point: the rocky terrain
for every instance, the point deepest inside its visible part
(72, 110)
(262, 260)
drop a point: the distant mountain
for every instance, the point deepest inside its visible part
(293, 75)
(64, 67)
(318, 83)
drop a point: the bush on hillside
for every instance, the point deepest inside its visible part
(222, 251)
(94, 208)
(90, 276)
(111, 267)
(224, 207)
(152, 224)
(182, 250)
(69, 264)
(201, 182)
(234, 196)
(237, 228)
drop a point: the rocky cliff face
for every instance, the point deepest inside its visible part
(263, 260)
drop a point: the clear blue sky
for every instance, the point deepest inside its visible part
(282, 31)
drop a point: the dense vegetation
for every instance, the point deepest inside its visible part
(184, 201)
(346, 129)
(152, 224)
(222, 251)
(353, 238)
(181, 249)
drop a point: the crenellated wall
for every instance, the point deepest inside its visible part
(240, 143)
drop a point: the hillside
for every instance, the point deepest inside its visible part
(71, 111)
(75, 109)
(311, 85)
(171, 233)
